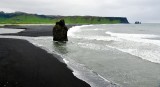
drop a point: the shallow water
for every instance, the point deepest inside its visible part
(7, 30)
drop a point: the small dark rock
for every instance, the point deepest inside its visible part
(137, 22)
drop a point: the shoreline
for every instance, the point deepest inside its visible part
(33, 30)
(31, 66)
(39, 30)
(26, 65)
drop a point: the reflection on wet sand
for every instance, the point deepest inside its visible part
(60, 47)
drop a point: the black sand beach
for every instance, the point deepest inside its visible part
(33, 30)
(24, 65)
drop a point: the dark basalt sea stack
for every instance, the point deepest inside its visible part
(137, 22)
(60, 31)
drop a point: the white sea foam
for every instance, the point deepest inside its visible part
(73, 30)
(138, 36)
(152, 56)
(66, 61)
(72, 33)
(144, 38)
(92, 46)
(97, 29)
(138, 45)
(100, 38)
(87, 37)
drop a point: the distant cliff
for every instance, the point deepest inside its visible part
(26, 18)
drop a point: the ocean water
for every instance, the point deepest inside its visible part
(113, 55)
(127, 55)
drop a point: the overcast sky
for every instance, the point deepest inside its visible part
(134, 10)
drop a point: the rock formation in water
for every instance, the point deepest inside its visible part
(137, 22)
(60, 31)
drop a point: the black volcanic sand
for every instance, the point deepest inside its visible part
(24, 65)
(33, 30)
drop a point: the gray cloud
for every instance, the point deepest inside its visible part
(142, 10)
